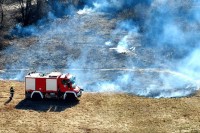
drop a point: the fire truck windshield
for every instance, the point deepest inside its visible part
(72, 79)
(65, 81)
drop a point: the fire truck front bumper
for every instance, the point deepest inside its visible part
(79, 94)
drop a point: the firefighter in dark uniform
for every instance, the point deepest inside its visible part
(12, 91)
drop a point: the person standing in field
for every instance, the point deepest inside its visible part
(12, 91)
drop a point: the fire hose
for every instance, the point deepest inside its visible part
(116, 69)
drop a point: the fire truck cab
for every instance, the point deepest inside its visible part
(51, 85)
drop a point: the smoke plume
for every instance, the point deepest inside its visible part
(147, 48)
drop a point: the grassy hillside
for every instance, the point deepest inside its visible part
(97, 112)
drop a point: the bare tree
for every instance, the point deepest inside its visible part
(42, 8)
(1, 11)
(25, 9)
(22, 9)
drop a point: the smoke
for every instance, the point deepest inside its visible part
(190, 66)
(147, 48)
(115, 5)
(171, 30)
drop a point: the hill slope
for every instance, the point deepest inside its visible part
(97, 112)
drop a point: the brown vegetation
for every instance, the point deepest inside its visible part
(25, 12)
(97, 112)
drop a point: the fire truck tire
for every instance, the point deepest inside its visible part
(71, 98)
(36, 95)
(69, 95)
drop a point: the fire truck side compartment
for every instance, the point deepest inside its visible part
(41, 84)
(51, 84)
(30, 84)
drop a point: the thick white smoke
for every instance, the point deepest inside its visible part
(170, 27)
(154, 54)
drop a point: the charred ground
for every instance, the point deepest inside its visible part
(153, 64)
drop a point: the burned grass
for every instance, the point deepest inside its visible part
(97, 112)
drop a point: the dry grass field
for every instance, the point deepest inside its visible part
(97, 112)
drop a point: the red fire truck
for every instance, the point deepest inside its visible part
(55, 84)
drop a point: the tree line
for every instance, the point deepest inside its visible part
(32, 10)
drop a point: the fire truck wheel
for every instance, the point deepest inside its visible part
(36, 96)
(70, 97)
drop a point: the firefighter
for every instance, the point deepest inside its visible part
(12, 91)
(11, 95)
